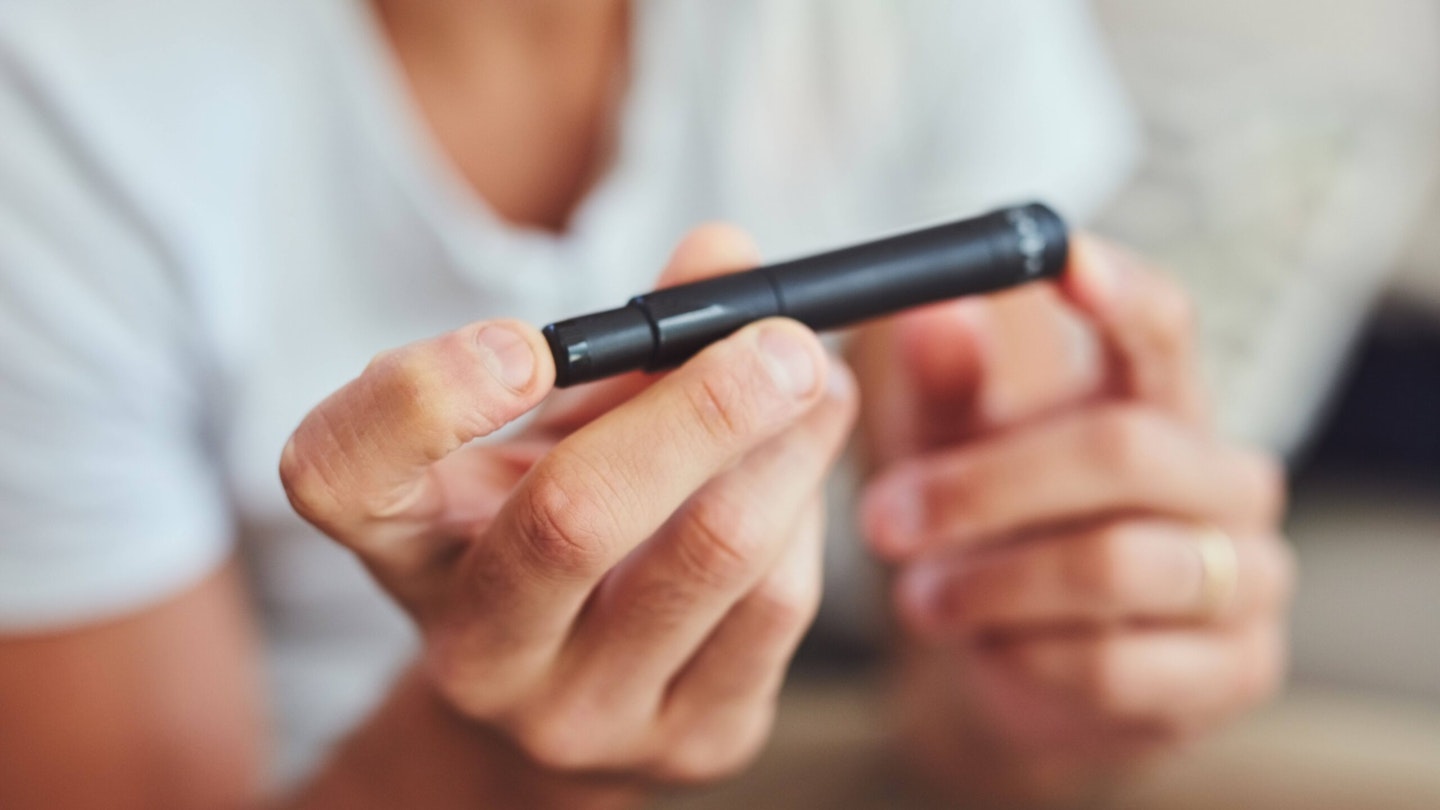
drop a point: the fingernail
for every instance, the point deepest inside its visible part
(906, 515)
(789, 360)
(508, 356)
(921, 593)
(839, 382)
(893, 516)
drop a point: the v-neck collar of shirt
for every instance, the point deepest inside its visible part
(481, 242)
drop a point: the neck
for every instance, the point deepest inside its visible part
(521, 94)
(458, 27)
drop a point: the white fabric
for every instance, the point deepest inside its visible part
(1295, 146)
(213, 212)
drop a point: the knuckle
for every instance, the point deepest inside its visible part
(565, 528)
(1098, 571)
(719, 405)
(456, 682)
(405, 380)
(559, 738)
(664, 602)
(1122, 441)
(1107, 679)
(982, 603)
(788, 607)
(438, 384)
(963, 503)
(705, 755)
(721, 544)
(473, 677)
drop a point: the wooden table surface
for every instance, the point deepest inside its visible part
(1317, 750)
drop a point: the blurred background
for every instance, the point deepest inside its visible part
(1298, 139)
(1290, 180)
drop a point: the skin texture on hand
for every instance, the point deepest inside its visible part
(1044, 472)
(599, 613)
(1046, 581)
(619, 590)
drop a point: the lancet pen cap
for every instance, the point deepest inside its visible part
(595, 346)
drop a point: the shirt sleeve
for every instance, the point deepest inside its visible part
(1016, 101)
(110, 497)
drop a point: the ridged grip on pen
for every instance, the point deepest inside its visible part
(692, 316)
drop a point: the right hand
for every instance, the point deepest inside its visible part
(624, 598)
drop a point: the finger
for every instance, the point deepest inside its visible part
(1125, 572)
(1146, 320)
(746, 655)
(888, 427)
(1029, 352)
(709, 250)
(1082, 465)
(736, 676)
(1041, 356)
(942, 348)
(712, 249)
(614, 482)
(659, 605)
(1179, 680)
(357, 465)
(972, 365)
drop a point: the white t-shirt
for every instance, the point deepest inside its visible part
(214, 212)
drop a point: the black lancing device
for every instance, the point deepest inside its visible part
(662, 329)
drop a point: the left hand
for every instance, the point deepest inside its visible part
(1045, 509)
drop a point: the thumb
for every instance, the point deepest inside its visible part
(920, 373)
(983, 363)
(941, 348)
(1146, 322)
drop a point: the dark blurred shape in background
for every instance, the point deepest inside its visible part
(1290, 181)
(1386, 420)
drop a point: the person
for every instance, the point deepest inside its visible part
(215, 212)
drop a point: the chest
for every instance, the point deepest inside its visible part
(527, 118)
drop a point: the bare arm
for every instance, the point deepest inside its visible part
(607, 601)
(161, 709)
(165, 709)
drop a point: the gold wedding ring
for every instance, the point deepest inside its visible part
(1219, 571)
